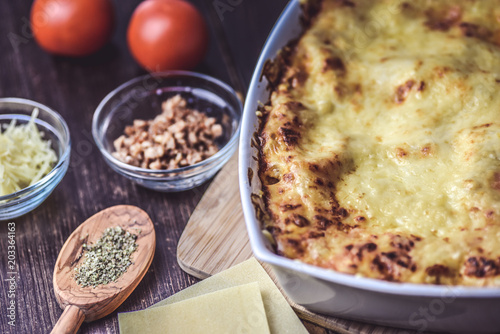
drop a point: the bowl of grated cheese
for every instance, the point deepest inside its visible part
(34, 155)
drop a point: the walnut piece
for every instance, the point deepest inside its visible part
(178, 137)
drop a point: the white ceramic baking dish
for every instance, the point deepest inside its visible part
(418, 307)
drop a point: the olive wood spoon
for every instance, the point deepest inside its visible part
(88, 303)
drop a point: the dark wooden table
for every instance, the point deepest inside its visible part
(74, 87)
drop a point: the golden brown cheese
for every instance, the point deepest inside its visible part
(380, 146)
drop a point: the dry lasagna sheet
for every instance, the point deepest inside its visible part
(380, 145)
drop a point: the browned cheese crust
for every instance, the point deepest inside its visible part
(379, 147)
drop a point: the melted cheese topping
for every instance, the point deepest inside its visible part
(380, 148)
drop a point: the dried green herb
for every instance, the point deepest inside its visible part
(107, 259)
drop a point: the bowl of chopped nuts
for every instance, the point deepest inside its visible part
(34, 155)
(168, 131)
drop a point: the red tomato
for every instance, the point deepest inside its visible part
(72, 27)
(167, 35)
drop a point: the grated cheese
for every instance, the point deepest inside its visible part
(25, 157)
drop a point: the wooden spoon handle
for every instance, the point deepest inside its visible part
(69, 322)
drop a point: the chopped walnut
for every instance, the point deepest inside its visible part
(178, 137)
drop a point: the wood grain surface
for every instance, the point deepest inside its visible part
(215, 239)
(74, 88)
(70, 321)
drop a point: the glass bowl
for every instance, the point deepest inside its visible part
(141, 98)
(55, 129)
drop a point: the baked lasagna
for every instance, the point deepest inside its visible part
(379, 149)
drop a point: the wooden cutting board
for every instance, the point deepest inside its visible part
(215, 238)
